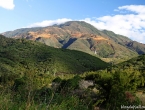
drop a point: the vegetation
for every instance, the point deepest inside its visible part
(20, 55)
(81, 36)
(34, 76)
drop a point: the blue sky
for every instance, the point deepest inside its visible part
(125, 17)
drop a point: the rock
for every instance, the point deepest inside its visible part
(84, 84)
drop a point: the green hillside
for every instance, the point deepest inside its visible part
(137, 64)
(19, 55)
(27, 69)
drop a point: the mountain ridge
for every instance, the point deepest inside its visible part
(79, 35)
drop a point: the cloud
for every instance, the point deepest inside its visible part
(50, 22)
(131, 24)
(134, 8)
(7, 4)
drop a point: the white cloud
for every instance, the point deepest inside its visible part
(50, 22)
(134, 8)
(131, 25)
(7, 4)
(128, 24)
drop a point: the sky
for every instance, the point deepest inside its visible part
(125, 17)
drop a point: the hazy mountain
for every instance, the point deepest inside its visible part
(79, 35)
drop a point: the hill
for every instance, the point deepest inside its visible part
(32, 77)
(79, 35)
(18, 55)
(137, 63)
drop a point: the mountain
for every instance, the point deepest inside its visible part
(138, 47)
(20, 55)
(79, 35)
(34, 75)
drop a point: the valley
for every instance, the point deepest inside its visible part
(70, 66)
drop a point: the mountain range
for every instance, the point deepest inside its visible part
(79, 35)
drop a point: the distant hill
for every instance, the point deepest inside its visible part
(20, 55)
(138, 47)
(79, 35)
(137, 63)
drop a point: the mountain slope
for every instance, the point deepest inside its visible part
(138, 47)
(79, 35)
(19, 55)
(137, 63)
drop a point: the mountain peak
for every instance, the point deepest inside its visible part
(82, 36)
